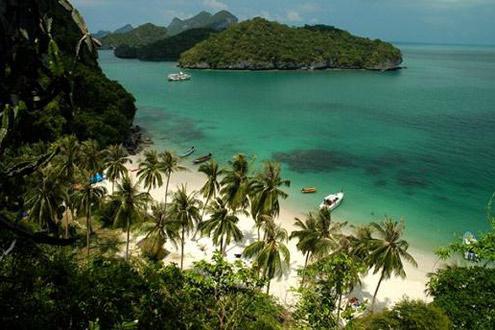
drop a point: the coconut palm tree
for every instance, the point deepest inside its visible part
(92, 157)
(185, 211)
(318, 236)
(387, 251)
(265, 190)
(222, 225)
(360, 242)
(161, 229)
(271, 255)
(67, 164)
(149, 173)
(131, 206)
(69, 158)
(308, 236)
(169, 163)
(115, 160)
(87, 197)
(211, 186)
(330, 233)
(46, 200)
(235, 183)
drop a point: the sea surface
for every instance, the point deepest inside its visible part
(417, 144)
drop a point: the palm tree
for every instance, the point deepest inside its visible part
(91, 157)
(45, 201)
(149, 171)
(115, 160)
(88, 196)
(69, 157)
(266, 190)
(131, 206)
(169, 164)
(235, 183)
(330, 233)
(318, 236)
(67, 164)
(360, 242)
(387, 251)
(271, 255)
(185, 211)
(308, 236)
(162, 229)
(211, 186)
(222, 225)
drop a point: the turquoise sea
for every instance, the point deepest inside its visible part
(417, 144)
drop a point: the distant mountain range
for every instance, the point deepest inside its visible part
(220, 21)
(129, 39)
(140, 36)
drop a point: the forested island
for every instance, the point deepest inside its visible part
(76, 253)
(149, 42)
(259, 44)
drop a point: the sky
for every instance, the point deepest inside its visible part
(428, 21)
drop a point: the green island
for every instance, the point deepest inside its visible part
(168, 49)
(80, 253)
(142, 35)
(259, 44)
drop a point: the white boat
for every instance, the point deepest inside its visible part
(332, 201)
(181, 76)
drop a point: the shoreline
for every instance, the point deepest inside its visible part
(391, 290)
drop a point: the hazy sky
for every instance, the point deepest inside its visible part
(436, 21)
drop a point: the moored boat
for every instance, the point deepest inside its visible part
(202, 159)
(188, 152)
(308, 190)
(332, 201)
(181, 76)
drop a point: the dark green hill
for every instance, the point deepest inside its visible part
(124, 29)
(64, 93)
(168, 49)
(142, 35)
(259, 44)
(220, 21)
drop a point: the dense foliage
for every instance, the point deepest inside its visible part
(406, 315)
(58, 80)
(466, 294)
(142, 35)
(168, 49)
(261, 44)
(47, 288)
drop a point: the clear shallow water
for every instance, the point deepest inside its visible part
(417, 144)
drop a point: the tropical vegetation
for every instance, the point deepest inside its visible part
(259, 44)
(65, 265)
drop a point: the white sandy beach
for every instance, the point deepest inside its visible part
(391, 291)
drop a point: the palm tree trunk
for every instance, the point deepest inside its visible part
(128, 234)
(166, 192)
(376, 290)
(268, 287)
(88, 215)
(304, 269)
(204, 208)
(66, 224)
(338, 310)
(113, 186)
(221, 247)
(182, 249)
(202, 217)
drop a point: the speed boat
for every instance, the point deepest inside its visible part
(332, 201)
